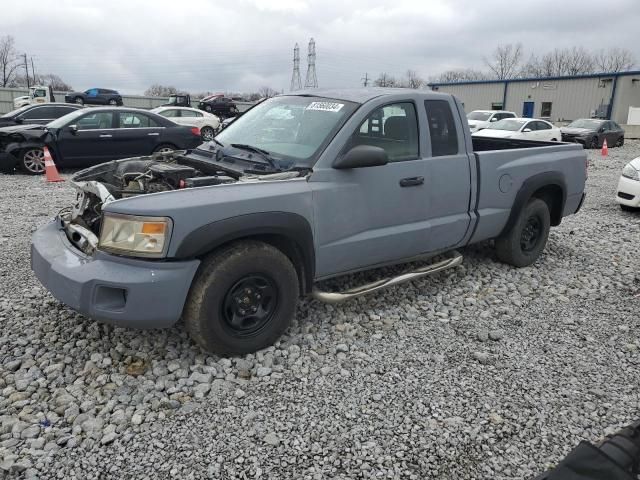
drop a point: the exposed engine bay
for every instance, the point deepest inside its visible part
(102, 184)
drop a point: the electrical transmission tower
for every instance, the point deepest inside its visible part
(311, 80)
(296, 83)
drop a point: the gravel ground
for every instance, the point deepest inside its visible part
(485, 371)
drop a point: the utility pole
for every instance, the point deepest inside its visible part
(26, 69)
(33, 71)
(365, 80)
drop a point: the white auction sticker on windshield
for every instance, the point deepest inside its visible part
(325, 106)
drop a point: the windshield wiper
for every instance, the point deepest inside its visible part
(263, 153)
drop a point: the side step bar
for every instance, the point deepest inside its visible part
(337, 297)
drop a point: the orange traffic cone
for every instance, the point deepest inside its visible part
(50, 169)
(605, 149)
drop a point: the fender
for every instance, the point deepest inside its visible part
(289, 226)
(528, 188)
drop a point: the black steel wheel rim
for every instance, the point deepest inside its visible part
(250, 305)
(531, 234)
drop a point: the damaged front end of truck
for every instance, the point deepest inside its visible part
(98, 186)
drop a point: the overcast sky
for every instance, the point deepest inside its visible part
(241, 45)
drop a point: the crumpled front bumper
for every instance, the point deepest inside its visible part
(122, 291)
(7, 162)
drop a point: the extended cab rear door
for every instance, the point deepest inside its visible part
(448, 179)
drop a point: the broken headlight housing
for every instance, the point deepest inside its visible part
(135, 236)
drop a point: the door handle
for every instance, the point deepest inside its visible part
(153, 134)
(106, 136)
(411, 181)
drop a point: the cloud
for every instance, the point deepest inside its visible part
(242, 45)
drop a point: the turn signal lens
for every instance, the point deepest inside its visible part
(153, 228)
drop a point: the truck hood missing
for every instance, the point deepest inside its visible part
(120, 180)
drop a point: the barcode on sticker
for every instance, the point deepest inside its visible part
(325, 106)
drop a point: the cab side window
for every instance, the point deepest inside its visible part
(394, 128)
(442, 128)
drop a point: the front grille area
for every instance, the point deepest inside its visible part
(626, 196)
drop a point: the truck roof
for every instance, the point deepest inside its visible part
(361, 95)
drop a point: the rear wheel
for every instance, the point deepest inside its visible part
(628, 208)
(243, 298)
(164, 148)
(620, 142)
(113, 101)
(32, 161)
(207, 133)
(523, 243)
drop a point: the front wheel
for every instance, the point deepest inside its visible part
(594, 143)
(620, 142)
(523, 243)
(243, 298)
(79, 101)
(628, 208)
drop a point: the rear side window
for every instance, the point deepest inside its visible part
(542, 126)
(33, 114)
(442, 128)
(136, 120)
(394, 128)
(191, 113)
(169, 113)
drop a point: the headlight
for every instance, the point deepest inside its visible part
(135, 236)
(629, 172)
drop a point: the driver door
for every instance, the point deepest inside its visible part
(92, 143)
(372, 215)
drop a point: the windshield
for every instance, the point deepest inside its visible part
(482, 116)
(15, 112)
(66, 119)
(585, 123)
(507, 124)
(173, 100)
(292, 127)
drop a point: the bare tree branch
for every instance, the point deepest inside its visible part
(615, 60)
(385, 80)
(157, 90)
(505, 60)
(8, 61)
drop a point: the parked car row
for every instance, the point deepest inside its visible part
(589, 132)
(87, 137)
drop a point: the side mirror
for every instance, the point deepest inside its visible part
(73, 129)
(526, 130)
(493, 119)
(362, 156)
(18, 120)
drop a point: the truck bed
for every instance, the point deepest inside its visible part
(503, 166)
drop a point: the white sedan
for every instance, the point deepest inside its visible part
(628, 192)
(521, 128)
(192, 117)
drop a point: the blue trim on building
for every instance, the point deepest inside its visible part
(504, 96)
(536, 79)
(613, 98)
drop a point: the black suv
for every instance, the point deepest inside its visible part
(39, 114)
(94, 96)
(219, 105)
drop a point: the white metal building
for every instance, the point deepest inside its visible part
(604, 95)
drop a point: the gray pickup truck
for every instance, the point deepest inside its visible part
(301, 188)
